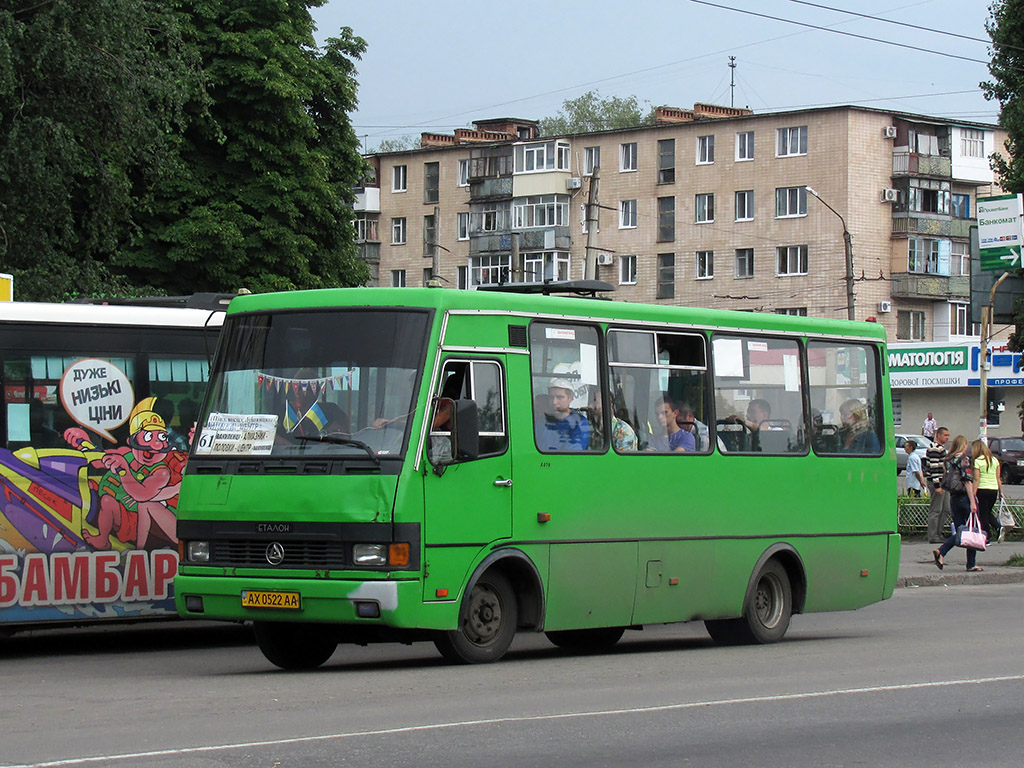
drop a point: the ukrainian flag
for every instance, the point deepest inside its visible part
(316, 416)
(291, 418)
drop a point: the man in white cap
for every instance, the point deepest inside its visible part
(564, 429)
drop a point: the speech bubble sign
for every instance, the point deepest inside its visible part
(97, 395)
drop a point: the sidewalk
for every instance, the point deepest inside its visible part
(917, 566)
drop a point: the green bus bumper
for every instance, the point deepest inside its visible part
(398, 603)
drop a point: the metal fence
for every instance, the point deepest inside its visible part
(912, 513)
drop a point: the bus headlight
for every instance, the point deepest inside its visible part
(370, 554)
(198, 551)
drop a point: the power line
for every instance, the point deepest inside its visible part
(840, 32)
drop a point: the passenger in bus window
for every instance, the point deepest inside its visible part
(670, 437)
(857, 434)
(441, 445)
(758, 412)
(563, 428)
(689, 422)
(623, 435)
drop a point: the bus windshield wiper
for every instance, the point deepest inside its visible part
(337, 440)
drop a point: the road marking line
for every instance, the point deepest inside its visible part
(516, 719)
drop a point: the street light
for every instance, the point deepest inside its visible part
(848, 242)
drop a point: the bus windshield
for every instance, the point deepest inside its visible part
(314, 384)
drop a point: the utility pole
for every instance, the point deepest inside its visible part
(435, 256)
(732, 81)
(984, 364)
(848, 245)
(593, 220)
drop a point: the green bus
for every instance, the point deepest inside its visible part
(456, 466)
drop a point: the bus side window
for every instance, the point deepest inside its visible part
(481, 381)
(845, 398)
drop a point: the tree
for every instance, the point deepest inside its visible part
(589, 113)
(260, 196)
(398, 144)
(1006, 29)
(90, 93)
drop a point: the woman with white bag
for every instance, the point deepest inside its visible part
(959, 481)
(989, 486)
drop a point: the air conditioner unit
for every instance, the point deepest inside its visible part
(890, 195)
(885, 306)
(573, 182)
(604, 259)
(889, 132)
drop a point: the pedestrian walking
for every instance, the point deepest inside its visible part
(938, 502)
(928, 427)
(989, 486)
(959, 482)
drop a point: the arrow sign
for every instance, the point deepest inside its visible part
(1000, 234)
(1013, 257)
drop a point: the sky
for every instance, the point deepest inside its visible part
(439, 65)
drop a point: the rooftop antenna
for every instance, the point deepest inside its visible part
(732, 81)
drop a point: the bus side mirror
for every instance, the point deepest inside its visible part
(466, 431)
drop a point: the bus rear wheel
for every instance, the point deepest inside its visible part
(586, 640)
(487, 623)
(294, 646)
(766, 614)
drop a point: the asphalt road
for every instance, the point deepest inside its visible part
(933, 677)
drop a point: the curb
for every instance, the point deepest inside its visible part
(951, 579)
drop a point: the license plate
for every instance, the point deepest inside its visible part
(255, 598)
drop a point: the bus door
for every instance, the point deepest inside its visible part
(470, 501)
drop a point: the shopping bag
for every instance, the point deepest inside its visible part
(1006, 516)
(971, 536)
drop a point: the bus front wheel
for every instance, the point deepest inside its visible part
(766, 614)
(487, 623)
(294, 646)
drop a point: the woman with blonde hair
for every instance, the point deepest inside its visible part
(990, 485)
(960, 482)
(856, 433)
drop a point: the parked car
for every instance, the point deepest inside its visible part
(1010, 452)
(923, 444)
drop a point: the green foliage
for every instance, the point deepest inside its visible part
(89, 94)
(259, 197)
(589, 113)
(397, 145)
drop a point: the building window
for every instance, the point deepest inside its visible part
(490, 269)
(548, 265)
(627, 270)
(795, 311)
(792, 260)
(462, 226)
(909, 325)
(791, 141)
(928, 196)
(959, 319)
(398, 278)
(464, 173)
(428, 275)
(545, 156)
(972, 142)
(960, 259)
(705, 150)
(627, 156)
(541, 211)
(666, 276)
(431, 179)
(591, 160)
(790, 201)
(398, 231)
(366, 230)
(463, 277)
(960, 206)
(666, 219)
(627, 214)
(705, 265)
(666, 161)
(745, 205)
(705, 208)
(745, 146)
(744, 262)
(429, 235)
(399, 178)
(928, 256)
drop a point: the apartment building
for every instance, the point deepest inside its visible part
(708, 207)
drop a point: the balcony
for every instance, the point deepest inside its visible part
(367, 200)
(490, 189)
(921, 224)
(548, 239)
(913, 164)
(914, 285)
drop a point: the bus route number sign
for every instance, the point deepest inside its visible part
(258, 598)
